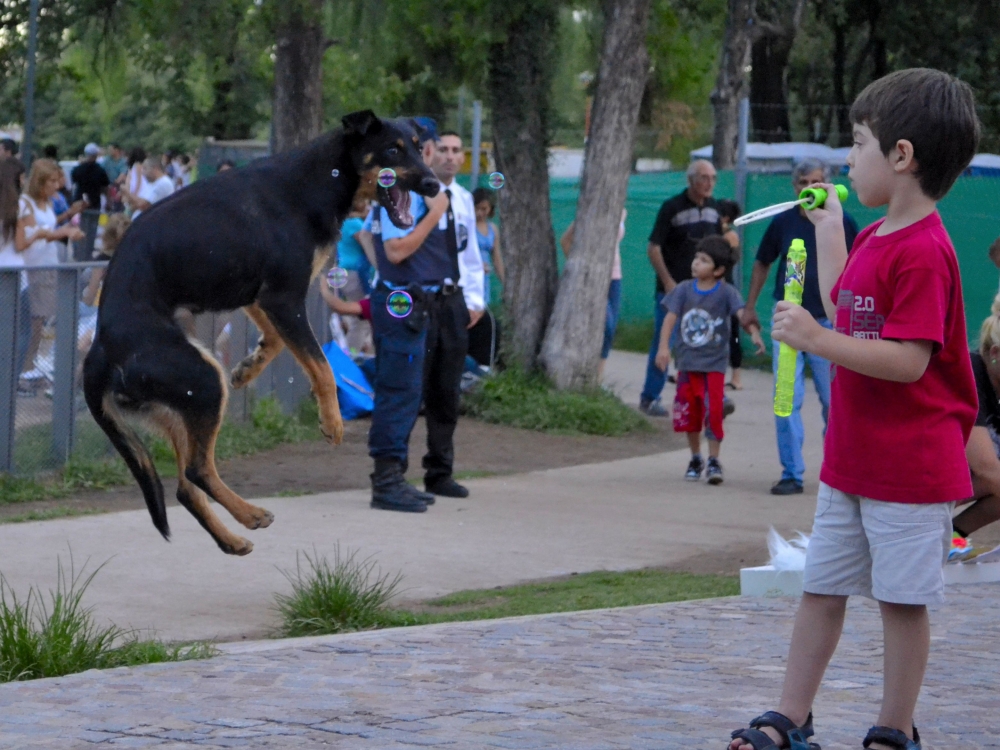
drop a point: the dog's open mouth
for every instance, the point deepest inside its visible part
(396, 202)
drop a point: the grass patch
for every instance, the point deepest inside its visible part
(596, 590)
(529, 401)
(92, 469)
(633, 336)
(352, 594)
(349, 594)
(49, 514)
(55, 635)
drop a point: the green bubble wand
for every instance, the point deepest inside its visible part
(795, 276)
(809, 199)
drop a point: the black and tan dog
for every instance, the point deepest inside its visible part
(251, 238)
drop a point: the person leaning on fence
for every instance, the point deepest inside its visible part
(38, 238)
(11, 182)
(793, 224)
(903, 404)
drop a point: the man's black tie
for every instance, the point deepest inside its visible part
(450, 237)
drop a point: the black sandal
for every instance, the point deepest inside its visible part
(892, 738)
(792, 737)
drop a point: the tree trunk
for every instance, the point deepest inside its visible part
(572, 344)
(519, 82)
(298, 65)
(731, 84)
(769, 60)
(844, 130)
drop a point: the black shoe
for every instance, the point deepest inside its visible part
(728, 407)
(786, 487)
(654, 408)
(446, 487)
(693, 473)
(420, 495)
(391, 492)
(714, 472)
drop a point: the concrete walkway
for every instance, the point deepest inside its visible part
(620, 515)
(664, 676)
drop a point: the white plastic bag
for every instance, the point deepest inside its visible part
(787, 554)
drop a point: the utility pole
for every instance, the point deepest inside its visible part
(29, 103)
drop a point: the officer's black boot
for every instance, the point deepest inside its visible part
(427, 497)
(390, 491)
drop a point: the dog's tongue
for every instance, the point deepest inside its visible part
(403, 204)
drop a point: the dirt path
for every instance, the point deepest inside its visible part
(307, 468)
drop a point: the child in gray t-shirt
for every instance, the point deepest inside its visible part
(704, 306)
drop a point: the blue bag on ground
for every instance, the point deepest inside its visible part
(354, 392)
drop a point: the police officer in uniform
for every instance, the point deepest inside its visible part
(420, 318)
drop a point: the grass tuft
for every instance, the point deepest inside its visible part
(530, 401)
(54, 636)
(348, 594)
(48, 514)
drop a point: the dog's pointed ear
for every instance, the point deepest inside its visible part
(361, 123)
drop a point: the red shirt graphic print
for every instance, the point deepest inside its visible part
(903, 442)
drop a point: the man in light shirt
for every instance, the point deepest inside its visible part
(156, 187)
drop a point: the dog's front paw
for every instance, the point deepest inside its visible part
(240, 376)
(334, 431)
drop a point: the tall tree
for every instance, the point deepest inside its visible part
(777, 25)
(571, 348)
(731, 84)
(297, 114)
(519, 85)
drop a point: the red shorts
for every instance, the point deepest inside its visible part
(697, 393)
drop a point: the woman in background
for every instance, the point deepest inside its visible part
(489, 237)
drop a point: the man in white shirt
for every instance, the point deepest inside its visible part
(156, 187)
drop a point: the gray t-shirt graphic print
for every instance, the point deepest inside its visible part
(704, 324)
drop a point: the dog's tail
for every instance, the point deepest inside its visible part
(98, 390)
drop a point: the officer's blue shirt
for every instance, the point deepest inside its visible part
(430, 265)
(784, 228)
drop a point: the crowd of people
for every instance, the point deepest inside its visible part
(48, 219)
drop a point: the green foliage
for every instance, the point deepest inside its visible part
(56, 636)
(347, 594)
(634, 336)
(48, 514)
(529, 401)
(578, 592)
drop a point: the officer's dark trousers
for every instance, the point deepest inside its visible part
(446, 347)
(411, 365)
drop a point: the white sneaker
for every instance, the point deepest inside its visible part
(35, 374)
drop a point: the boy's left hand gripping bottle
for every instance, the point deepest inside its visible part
(795, 275)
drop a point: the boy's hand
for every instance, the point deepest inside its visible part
(795, 326)
(662, 358)
(758, 342)
(832, 209)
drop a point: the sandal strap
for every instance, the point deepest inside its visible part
(893, 738)
(783, 725)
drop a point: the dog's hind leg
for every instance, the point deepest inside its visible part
(190, 496)
(292, 325)
(269, 346)
(202, 429)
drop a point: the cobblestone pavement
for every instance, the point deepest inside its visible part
(660, 676)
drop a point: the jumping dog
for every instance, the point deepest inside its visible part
(252, 238)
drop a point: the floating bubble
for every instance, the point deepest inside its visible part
(386, 177)
(399, 304)
(291, 380)
(336, 277)
(335, 173)
(190, 393)
(496, 180)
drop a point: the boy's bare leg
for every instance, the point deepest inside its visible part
(694, 442)
(714, 446)
(907, 633)
(818, 625)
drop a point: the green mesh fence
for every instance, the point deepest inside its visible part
(968, 213)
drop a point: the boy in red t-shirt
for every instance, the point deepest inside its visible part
(903, 402)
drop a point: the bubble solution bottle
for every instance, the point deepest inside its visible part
(795, 276)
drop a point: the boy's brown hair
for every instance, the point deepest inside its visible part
(932, 110)
(717, 248)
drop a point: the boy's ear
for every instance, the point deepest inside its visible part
(901, 157)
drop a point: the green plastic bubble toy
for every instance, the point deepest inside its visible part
(816, 196)
(795, 276)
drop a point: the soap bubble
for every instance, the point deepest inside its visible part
(399, 304)
(336, 277)
(496, 180)
(386, 177)
(291, 380)
(335, 173)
